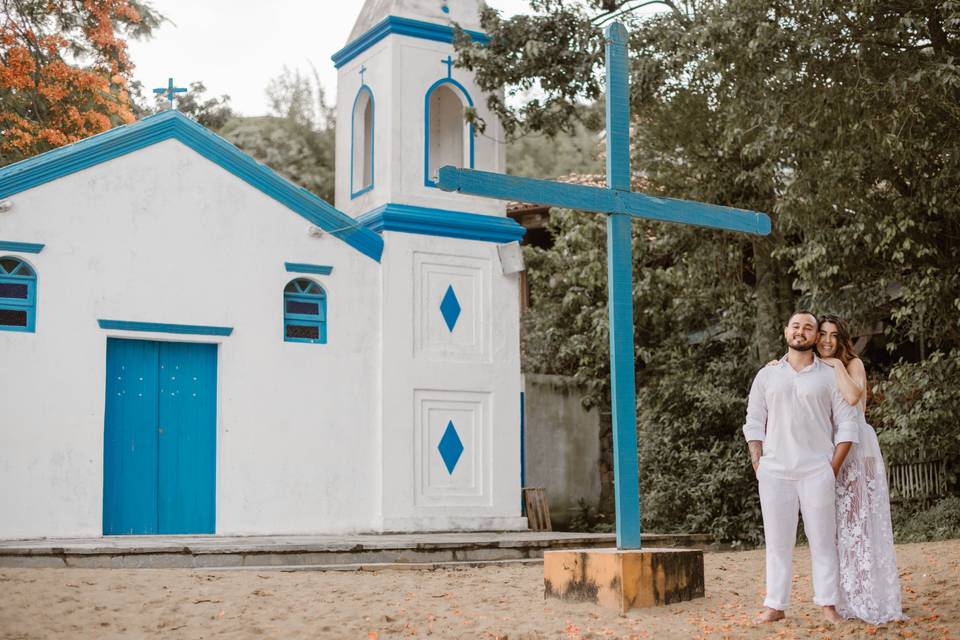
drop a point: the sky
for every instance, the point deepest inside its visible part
(235, 48)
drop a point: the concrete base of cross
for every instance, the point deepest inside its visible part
(624, 579)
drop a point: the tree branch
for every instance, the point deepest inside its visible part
(619, 10)
(937, 36)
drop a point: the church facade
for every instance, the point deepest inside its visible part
(192, 344)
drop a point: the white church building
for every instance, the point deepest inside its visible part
(190, 343)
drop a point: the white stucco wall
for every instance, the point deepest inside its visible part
(432, 375)
(469, 375)
(164, 235)
(310, 438)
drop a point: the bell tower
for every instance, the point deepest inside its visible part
(401, 103)
(450, 383)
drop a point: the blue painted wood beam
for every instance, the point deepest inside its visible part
(21, 247)
(163, 327)
(301, 267)
(601, 200)
(617, 108)
(620, 295)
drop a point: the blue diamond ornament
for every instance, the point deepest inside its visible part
(450, 308)
(450, 447)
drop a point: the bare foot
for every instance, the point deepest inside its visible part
(769, 615)
(830, 614)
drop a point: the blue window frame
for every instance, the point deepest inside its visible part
(361, 142)
(18, 295)
(304, 312)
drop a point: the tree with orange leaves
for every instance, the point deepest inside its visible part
(64, 71)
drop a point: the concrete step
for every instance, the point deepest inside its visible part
(214, 551)
(391, 566)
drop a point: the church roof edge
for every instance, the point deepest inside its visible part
(399, 26)
(443, 12)
(165, 125)
(442, 222)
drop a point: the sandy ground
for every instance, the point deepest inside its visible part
(489, 602)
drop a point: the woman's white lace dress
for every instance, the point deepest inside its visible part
(869, 582)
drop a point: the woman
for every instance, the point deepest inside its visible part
(869, 583)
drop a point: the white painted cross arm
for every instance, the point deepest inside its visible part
(601, 199)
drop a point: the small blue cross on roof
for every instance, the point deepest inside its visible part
(170, 90)
(449, 62)
(363, 69)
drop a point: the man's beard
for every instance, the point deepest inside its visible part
(803, 347)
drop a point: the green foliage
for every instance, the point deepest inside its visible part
(693, 471)
(588, 519)
(301, 154)
(300, 99)
(939, 522)
(918, 410)
(566, 329)
(298, 140)
(542, 156)
(563, 42)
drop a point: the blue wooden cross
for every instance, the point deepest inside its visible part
(620, 204)
(449, 62)
(363, 70)
(170, 90)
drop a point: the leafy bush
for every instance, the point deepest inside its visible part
(589, 519)
(695, 475)
(918, 410)
(939, 522)
(695, 361)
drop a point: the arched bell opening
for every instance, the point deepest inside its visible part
(449, 138)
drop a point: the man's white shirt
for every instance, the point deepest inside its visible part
(794, 413)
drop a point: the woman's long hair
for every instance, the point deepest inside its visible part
(845, 352)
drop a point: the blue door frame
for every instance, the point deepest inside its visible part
(159, 470)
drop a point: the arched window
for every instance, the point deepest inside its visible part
(304, 312)
(449, 139)
(18, 295)
(361, 143)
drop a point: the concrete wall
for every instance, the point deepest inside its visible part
(562, 445)
(164, 235)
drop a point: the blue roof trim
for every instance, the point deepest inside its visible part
(160, 327)
(300, 267)
(442, 222)
(21, 247)
(119, 141)
(401, 27)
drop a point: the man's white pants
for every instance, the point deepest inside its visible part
(779, 500)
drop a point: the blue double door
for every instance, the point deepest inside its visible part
(159, 473)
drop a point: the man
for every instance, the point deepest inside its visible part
(793, 409)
